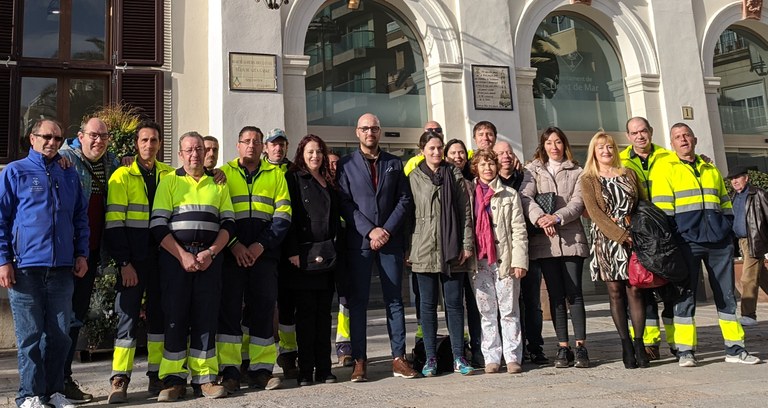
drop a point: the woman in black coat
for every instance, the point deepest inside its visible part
(311, 249)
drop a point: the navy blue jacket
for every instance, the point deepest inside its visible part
(43, 214)
(364, 209)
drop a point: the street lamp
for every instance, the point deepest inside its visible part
(274, 4)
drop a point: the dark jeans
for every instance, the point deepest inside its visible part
(313, 330)
(473, 316)
(81, 301)
(390, 265)
(453, 286)
(41, 304)
(530, 305)
(563, 278)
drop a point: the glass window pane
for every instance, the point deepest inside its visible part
(365, 60)
(579, 82)
(38, 100)
(89, 27)
(740, 62)
(85, 97)
(41, 28)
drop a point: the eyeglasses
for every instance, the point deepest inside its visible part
(56, 138)
(435, 130)
(254, 142)
(198, 150)
(372, 129)
(94, 135)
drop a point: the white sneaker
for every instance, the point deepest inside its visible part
(743, 358)
(747, 321)
(32, 402)
(687, 360)
(59, 401)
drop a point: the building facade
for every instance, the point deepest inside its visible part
(522, 64)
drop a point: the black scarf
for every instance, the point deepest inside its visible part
(449, 212)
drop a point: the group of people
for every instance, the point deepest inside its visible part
(212, 257)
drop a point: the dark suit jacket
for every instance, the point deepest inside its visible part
(364, 209)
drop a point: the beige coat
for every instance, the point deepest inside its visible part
(570, 239)
(508, 228)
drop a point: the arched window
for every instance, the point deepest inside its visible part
(741, 62)
(364, 60)
(579, 81)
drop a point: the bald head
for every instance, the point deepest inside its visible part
(433, 126)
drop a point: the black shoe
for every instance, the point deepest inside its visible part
(564, 357)
(628, 353)
(327, 378)
(74, 394)
(539, 358)
(582, 357)
(640, 355)
(287, 361)
(304, 380)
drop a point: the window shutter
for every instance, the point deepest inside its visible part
(9, 122)
(143, 90)
(6, 28)
(139, 34)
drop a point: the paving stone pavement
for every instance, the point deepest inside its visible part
(606, 384)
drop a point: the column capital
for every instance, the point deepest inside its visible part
(711, 85)
(295, 65)
(643, 83)
(525, 75)
(444, 73)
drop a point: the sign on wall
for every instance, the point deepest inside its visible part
(252, 72)
(491, 87)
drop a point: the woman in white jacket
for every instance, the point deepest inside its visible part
(502, 255)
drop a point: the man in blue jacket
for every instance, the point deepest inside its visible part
(43, 235)
(375, 198)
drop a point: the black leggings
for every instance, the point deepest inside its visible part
(563, 278)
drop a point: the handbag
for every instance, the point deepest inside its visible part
(546, 201)
(317, 256)
(641, 277)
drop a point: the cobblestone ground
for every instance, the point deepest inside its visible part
(606, 384)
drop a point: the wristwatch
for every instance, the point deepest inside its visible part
(124, 264)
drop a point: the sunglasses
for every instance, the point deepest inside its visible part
(58, 139)
(435, 130)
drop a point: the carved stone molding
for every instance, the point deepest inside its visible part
(751, 9)
(584, 2)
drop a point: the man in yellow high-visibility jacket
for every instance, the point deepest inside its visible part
(645, 159)
(693, 195)
(130, 194)
(192, 219)
(262, 208)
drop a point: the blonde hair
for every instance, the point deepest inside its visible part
(592, 167)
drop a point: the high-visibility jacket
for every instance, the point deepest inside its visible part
(127, 235)
(193, 211)
(261, 203)
(646, 174)
(697, 199)
(414, 162)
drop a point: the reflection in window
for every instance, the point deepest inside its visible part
(579, 81)
(89, 27)
(365, 60)
(38, 100)
(85, 96)
(41, 29)
(740, 62)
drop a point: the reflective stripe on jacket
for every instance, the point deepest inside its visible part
(262, 207)
(191, 210)
(699, 203)
(127, 235)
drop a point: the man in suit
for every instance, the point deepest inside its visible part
(375, 198)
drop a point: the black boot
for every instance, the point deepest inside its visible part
(628, 353)
(640, 355)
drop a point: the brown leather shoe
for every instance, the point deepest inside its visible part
(212, 390)
(119, 392)
(231, 385)
(360, 373)
(172, 393)
(492, 368)
(514, 368)
(401, 368)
